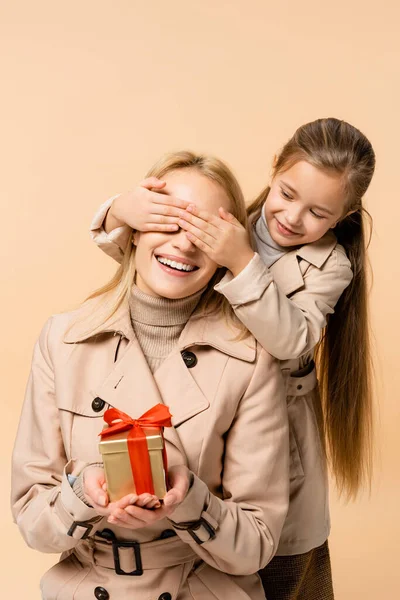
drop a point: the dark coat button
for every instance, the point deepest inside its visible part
(101, 593)
(98, 404)
(165, 596)
(189, 358)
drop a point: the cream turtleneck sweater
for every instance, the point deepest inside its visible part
(158, 322)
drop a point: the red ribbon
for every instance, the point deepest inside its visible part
(118, 421)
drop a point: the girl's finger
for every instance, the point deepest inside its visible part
(165, 210)
(204, 215)
(205, 226)
(172, 201)
(199, 243)
(227, 216)
(199, 233)
(168, 227)
(153, 183)
(164, 219)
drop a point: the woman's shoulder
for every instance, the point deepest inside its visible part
(56, 327)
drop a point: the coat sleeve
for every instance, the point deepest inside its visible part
(239, 534)
(113, 243)
(43, 503)
(287, 327)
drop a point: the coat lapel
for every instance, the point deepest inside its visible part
(132, 388)
(287, 271)
(179, 389)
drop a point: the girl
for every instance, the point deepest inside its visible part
(303, 295)
(156, 333)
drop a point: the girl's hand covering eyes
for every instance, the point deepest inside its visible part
(146, 208)
(221, 237)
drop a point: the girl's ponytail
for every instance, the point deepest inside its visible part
(345, 369)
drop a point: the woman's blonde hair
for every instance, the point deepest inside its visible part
(343, 354)
(114, 293)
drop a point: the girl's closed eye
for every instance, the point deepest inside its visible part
(316, 214)
(286, 195)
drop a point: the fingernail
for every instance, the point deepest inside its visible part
(101, 500)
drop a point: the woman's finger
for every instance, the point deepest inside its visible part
(132, 524)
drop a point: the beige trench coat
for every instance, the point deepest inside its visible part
(230, 429)
(285, 307)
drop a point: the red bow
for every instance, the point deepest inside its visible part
(118, 421)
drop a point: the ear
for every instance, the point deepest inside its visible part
(135, 237)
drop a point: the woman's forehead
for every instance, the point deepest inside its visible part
(194, 187)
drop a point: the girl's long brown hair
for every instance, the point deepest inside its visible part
(343, 353)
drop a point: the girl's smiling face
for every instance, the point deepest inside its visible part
(168, 265)
(303, 204)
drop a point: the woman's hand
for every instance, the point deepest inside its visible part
(95, 490)
(128, 511)
(222, 238)
(146, 208)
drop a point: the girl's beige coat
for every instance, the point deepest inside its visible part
(230, 428)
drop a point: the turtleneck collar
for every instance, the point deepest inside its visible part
(162, 312)
(266, 247)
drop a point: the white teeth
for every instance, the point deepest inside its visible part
(174, 264)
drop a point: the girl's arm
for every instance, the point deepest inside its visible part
(287, 327)
(147, 207)
(44, 505)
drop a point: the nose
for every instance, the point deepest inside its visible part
(293, 215)
(181, 242)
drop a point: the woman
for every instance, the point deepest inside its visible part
(157, 333)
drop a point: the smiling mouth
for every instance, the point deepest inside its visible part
(286, 229)
(176, 265)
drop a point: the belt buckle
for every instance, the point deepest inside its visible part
(109, 535)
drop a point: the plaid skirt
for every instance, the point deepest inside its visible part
(299, 577)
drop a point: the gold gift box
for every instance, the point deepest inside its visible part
(117, 464)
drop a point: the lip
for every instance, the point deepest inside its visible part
(174, 272)
(283, 230)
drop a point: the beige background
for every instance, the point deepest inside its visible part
(93, 91)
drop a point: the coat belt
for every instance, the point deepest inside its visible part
(157, 554)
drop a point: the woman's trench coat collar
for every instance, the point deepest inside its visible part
(199, 331)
